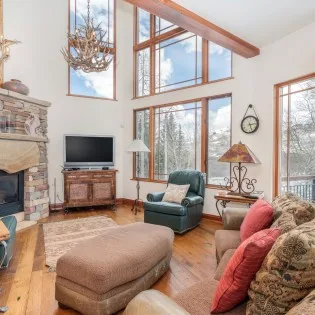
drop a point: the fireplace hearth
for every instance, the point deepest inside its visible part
(11, 193)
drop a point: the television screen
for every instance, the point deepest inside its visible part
(89, 151)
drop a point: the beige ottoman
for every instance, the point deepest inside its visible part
(102, 275)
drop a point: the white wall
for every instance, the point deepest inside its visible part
(42, 24)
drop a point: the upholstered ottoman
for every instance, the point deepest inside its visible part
(102, 275)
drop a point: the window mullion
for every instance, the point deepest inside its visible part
(204, 134)
(152, 143)
(205, 61)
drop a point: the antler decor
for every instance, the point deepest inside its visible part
(88, 51)
(5, 48)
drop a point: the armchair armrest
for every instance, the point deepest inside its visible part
(192, 201)
(155, 197)
(154, 303)
(233, 218)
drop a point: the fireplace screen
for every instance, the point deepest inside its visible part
(11, 193)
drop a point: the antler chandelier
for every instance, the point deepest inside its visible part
(87, 49)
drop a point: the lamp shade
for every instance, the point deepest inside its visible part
(239, 153)
(137, 146)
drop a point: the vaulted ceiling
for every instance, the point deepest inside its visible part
(259, 22)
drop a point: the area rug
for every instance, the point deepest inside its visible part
(59, 237)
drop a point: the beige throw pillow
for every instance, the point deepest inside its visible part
(175, 193)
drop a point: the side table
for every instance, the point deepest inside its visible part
(223, 200)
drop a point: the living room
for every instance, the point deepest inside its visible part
(205, 72)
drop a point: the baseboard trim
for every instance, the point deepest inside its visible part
(212, 217)
(130, 202)
(56, 206)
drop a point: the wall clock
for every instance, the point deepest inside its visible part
(250, 122)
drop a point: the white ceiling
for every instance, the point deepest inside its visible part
(259, 22)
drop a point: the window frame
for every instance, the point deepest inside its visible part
(204, 135)
(156, 39)
(277, 128)
(113, 51)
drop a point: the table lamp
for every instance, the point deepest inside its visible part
(137, 146)
(240, 153)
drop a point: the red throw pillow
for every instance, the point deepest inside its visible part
(241, 270)
(258, 217)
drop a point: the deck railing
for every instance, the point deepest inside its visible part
(305, 190)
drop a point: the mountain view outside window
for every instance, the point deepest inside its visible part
(297, 143)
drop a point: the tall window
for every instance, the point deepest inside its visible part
(295, 137)
(177, 138)
(219, 139)
(186, 135)
(168, 58)
(94, 84)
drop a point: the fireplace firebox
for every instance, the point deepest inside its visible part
(11, 193)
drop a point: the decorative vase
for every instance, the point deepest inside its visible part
(16, 86)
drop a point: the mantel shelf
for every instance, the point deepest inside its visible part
(16, 136)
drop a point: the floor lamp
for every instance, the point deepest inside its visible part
(137, 146)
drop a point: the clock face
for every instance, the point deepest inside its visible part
(250, 124)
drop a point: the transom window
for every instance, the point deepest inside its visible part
(187, 135)
(94, 84)
(295, 137)
(168, 57)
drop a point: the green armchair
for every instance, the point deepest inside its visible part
(179, 217)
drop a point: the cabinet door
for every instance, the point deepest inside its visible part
(103, 190)
(79, 192)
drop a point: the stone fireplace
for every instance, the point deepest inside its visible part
(23, 158)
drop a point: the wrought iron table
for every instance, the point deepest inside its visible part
(223, 200)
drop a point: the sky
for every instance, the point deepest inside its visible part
(171, 58)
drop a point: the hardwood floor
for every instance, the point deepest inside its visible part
(27, 287)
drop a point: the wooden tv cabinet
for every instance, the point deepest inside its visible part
(85, 188)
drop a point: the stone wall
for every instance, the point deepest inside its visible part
(36, 194)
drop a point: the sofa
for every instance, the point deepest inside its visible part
(196, 300)
(7, 247)
(179, 217)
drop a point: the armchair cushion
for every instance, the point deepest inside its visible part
(155, 197)
(166, 208)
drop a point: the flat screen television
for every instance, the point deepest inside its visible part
(83, 151)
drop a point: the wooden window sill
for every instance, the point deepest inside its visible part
(146, 180)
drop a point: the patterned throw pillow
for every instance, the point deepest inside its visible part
(294, 212)
(305, 307)
(241, 269)
(280, 203)
(287, 274)
(175, 193)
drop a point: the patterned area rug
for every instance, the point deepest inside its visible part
(59, 237)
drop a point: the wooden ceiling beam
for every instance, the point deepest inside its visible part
(194, 23)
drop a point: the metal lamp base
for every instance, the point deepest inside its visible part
(136, 206)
